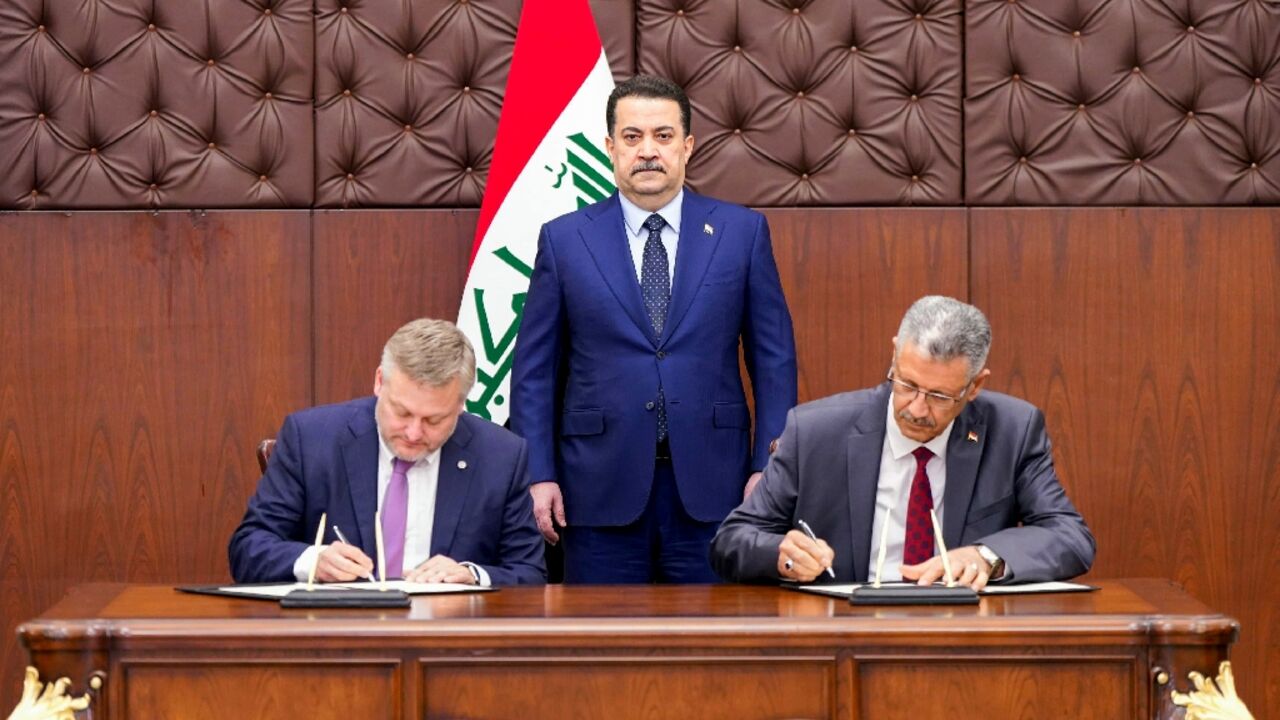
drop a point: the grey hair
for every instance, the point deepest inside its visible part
(431, 352)
(943, 328)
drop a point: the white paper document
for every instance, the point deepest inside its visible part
(1026, 588)
(410, 588)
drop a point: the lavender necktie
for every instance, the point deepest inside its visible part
(395, 511)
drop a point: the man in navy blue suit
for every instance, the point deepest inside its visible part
(626, 380)
(453, 489)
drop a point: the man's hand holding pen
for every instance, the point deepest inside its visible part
(340, 562)
(802, 558)
(968, 565)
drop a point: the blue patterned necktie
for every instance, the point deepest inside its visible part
(655, 288)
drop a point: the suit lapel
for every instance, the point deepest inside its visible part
(866, 442)
(457, 465)
(606, 241)
(964, 453)
(693, 255)
(360, 457)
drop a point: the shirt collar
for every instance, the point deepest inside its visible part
(900, 445)
(634, 216)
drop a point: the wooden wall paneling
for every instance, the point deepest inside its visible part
(142, 356)
(1149, 338)
(849, 274)
(374, 271)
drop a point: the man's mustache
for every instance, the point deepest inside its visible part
(918, 422)
(648, 165)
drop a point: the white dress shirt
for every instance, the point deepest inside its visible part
(423, 478)
(897, 468)
(633, 218)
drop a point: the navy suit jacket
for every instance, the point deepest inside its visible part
(588, 367)
(326, 461)
(1001, 491)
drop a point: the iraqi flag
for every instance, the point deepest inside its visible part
(548, 160)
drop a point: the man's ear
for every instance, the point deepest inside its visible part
(978, 382)
(377, 382)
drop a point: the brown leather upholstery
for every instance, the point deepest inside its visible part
(192, 104)
(813, 102)
(265, 448)
(1122, 102)
(210, 103)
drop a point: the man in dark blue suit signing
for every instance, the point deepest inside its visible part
(626, 380)
(452, 488)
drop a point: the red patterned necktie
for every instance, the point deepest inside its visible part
(918, 543)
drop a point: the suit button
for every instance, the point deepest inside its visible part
(661, 354)
(649, 405)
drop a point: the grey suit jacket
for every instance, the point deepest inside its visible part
(1001, 491)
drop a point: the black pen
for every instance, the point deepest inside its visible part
(343, 539)
(804, 527)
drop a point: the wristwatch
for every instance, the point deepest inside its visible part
(997, 564)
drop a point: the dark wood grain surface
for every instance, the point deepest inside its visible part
(376, 270)
(725, 651)
(1149, 337)
(143, 354)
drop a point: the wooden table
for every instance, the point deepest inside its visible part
(630, 652)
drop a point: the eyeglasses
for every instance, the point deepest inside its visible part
(935, 400)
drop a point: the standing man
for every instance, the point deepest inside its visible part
(452, 488)
(853, 464)
(626, 380)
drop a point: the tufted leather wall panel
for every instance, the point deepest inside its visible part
(1122, 102)
(135, 103)
(408, 96)
(302, 103)
(815, 102)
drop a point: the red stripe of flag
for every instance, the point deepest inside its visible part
(556, 46)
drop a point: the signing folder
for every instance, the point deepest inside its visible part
(275, 591)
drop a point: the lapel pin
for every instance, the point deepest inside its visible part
(462, 464)
(707, 229)
(973, 436)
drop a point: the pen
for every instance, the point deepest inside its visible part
(343, 539)
(804, 527)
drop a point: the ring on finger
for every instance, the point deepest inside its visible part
(973, 567)
(788, 564)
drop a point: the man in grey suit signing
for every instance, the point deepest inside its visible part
(872, 463)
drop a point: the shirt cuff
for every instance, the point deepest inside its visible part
(481, 575)
(302, 566)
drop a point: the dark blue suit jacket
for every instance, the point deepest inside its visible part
(1002, 491)
(325, 461)
(587, 367)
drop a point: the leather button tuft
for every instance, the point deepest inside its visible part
(1253, 165)
(151, 27)
(1191, 28)
(351, 176)
(466, 88)
(1016, 77)
(737, 131)
(266, 11)
(262, 178)
(213, 146)
(408, 128)
(39, 28)
(915, 178)
(737, 48)
(852, 131)
(1137, 70)
(35, 193)
(919, 17)
(853, 48)
(1075, 34)
(680, 13)
(800, 94)
(795, 11)
(343, 10)
(1080, 107)
(86, 71)
(1191, 114)
(153, 113)
(93, 151)
(1257, 81)
(408, 56)
(1023, 159)
(153, 186)
(267, 96)
(804, 176)
(40, 117)
(346, 93)
(1137, 161)
(915, 98)
(210, 62)
(468, 169)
